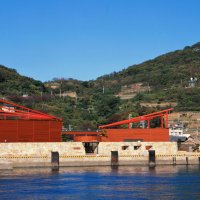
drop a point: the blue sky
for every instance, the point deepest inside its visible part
(84, 39)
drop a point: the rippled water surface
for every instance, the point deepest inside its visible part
(163, 182)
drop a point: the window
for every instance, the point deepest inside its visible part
(136, 147)
(125, 147)
(148, 147)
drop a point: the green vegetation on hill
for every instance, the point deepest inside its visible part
(95, 101)
(12, 83)
(170, 70)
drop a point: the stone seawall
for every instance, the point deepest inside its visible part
(74, 154)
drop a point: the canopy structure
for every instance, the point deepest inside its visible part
(109, 132)
(163, 115)
(9, 110)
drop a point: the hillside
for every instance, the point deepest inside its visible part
(169, 70)
(163, 79)
(12, 83)
(142, 88)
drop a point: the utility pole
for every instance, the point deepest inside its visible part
(60, 89)
(103, 89)
(76, 99)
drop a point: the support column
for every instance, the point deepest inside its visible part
(161, 121)
(55, 160)
(148, 123)
(166, 121)
(152, 158)
(114, 158)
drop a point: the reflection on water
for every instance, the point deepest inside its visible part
(161, 182)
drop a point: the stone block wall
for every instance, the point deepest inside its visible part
(73, 154)
(137, 148)
(41, 148)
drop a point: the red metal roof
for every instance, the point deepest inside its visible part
(9, 110)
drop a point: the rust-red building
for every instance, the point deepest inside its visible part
(122, 135)
(21, 124)
(111, 132)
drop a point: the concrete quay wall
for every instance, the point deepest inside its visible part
(74, 154)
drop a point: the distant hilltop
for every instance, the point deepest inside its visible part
(173, 69)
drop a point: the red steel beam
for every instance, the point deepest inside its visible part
(25, 113)
(140, 118)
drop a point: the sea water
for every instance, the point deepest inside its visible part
(125, 182)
